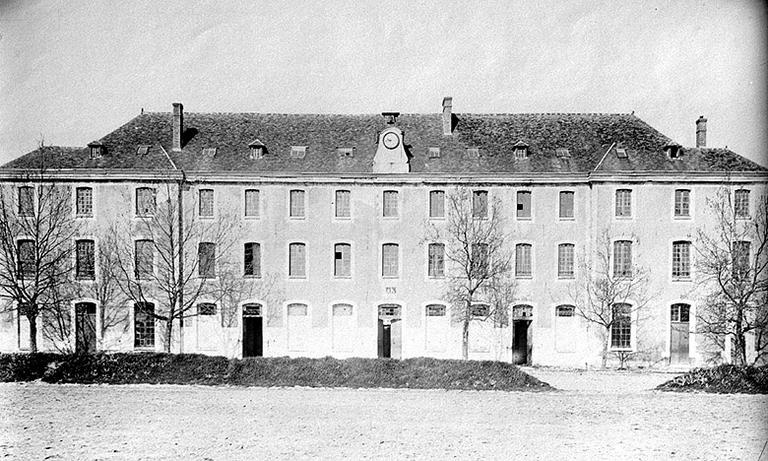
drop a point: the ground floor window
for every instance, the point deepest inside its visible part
(343, 328)
(621, 328)
(436, 328)
(144, 325)
(298, 326)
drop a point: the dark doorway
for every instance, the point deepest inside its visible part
(85, 328)
(521, 344)
(253, 342)
(679, 346)
(390, 331)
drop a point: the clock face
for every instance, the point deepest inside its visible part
(391, 140)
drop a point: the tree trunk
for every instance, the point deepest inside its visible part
(740, 354)
(168, 335)
(606, 344)
(465, 339)
(32, 332)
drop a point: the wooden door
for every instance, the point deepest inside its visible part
(520, 342)
(253, 343)
(85, 328)
(679, 347)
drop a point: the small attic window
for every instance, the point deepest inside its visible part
(563, 152)
(298, 151)
(142, 150)
(621, 152)
(209, 151)
(473, 152)
(434, 152)
(673, 150)
(95, 149)
(521, 150)
(257, 149)
(346, 152)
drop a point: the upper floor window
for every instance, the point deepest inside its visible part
(681, 259)
(343, 205)
(145, 201)
(566, 204)
(342, 260)
(480, 204)
(206, 260)
(85, 260)
(741, 203)
(26, 257)
(682, 203)
(390, 264)
(84, 202)
(436, 260)
(622, 258)
(389, 204)
(144, 257)
(741, 254)
(297, 204)
(523, 260)
(436, 204)
(252, 203)
(252, 259)
(26, 201)
(524, 205)
(623, 203)
(206, 203)
(297, 255)
(565, 260)
(621, 327)
(480, 259)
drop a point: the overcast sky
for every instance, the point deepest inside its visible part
(73, 71)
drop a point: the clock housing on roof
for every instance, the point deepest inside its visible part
(390, 154)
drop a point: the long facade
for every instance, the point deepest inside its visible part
(330, 217)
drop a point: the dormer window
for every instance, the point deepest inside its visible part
(298, 151)
(209, 152)
(674, 150)
(142, 150)
(473, 152)
(621, 152)
(95, 149)
(521, 150)
(563, 152)
(257, 149)
(346, 152)
(434, 152)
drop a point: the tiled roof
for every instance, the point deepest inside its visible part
(586, 136)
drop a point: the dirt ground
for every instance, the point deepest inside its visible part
(599, 415)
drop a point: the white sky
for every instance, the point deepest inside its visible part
(73, 71)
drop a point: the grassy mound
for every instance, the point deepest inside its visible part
(723, 379)
(157, 368)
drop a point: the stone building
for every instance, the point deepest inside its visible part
(329, 215)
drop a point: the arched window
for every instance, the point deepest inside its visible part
(297, 254)
(622, 258)
(523, 260)
(342, 260)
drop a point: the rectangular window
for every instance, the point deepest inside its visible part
(343, 209)
(680, 313)
(623, 203)
(480, 259)
(740, 255)
(252, 203)
(85, 266)
(741, 203)
(297, 260)
(389, 260)
(144, 254)
(480, 310)
(84, 201)
(26, 201)
(565, 311)
(565, 260)
(682, 203)
(622, 258)
(343, 326)
(252, 259)
(436, 204)
(206, 260)
(390, 204)
(480, 204)
(298, 327)
(681, 259)
(621, 327)
(206, 203)
(144, 325)
(342, 260)
(566, 205)
(523, 260)
(26, 254)
(206, 309)
(297, 204)
(436, 259)
(145, 201)
(524, 205)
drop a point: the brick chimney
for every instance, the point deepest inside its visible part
(178, 125)
(447, 116)
(701, 132)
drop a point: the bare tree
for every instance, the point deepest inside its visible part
(611, 296)
(478, 262)
(732, 261)
(175, 261)
(36, 247)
